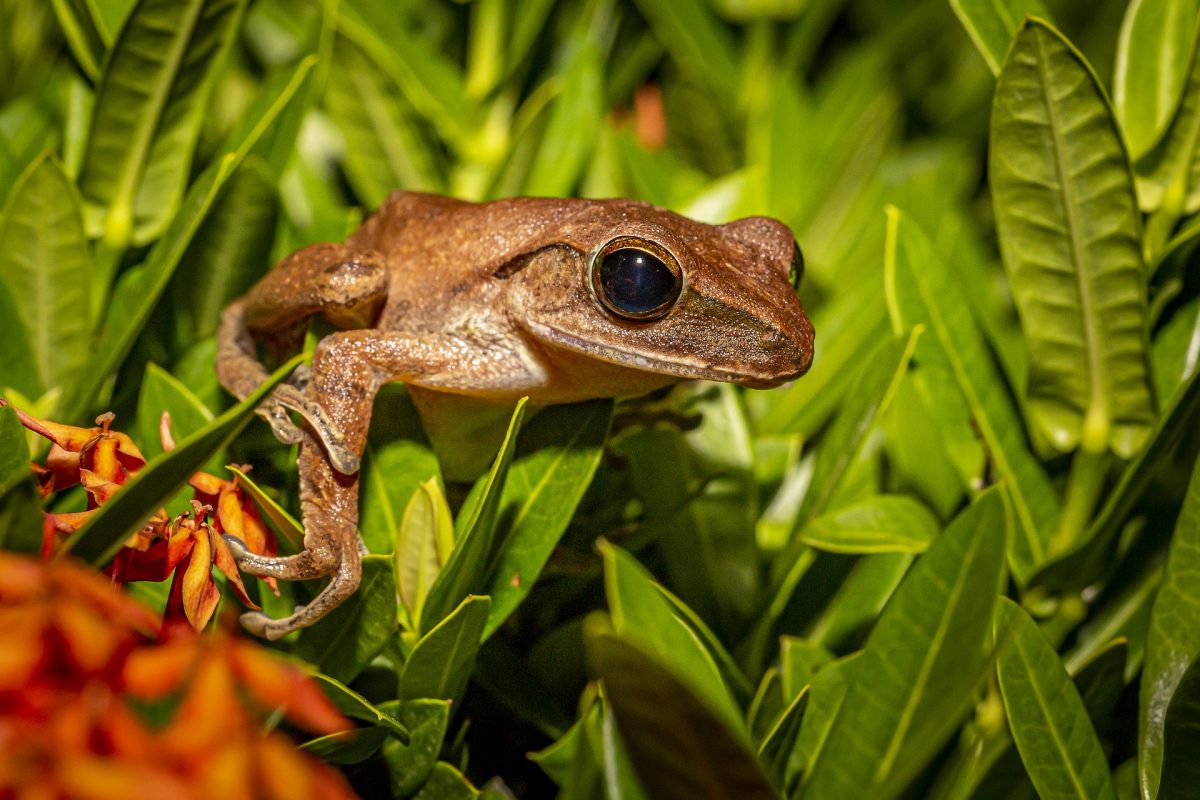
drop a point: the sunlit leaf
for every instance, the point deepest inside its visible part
(424, 541)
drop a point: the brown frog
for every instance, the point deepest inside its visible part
(481, 304)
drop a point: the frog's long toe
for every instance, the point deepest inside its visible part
(237, 548)
(259, 624)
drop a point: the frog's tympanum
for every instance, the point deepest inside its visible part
(481, 304)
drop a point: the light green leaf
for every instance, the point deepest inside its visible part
(475, 529)
(127, 313)
(345, 640)
(20, 370)
(556, 456)
(1152, 61)
(922, 290)
(922, 663)
(442, 661)
(1070, 234)
(1046, 715)
(1168, 175)
(127, 510)
(149, 107)
(385, 150)
(46, 264)
(85, 34)
(826, 696)
(1173, 641)
(161, 391)
(424, 541)
(883, 523)
(992, 23)
(643, 614)
(680, 747)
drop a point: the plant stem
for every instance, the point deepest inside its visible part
(1083, 488)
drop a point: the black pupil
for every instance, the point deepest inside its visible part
(637, 282)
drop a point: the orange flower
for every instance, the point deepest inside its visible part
(198, 549)
(73, 650)
(236, 514)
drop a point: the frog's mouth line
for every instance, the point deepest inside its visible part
(624, 358)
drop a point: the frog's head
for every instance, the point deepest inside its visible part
(639, 287)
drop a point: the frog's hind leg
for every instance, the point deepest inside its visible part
(348, 287)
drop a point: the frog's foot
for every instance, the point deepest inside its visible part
(345, 581)
(288, 397)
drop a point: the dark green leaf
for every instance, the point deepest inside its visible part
(1046, 715)
(354, 705)
(163, 392)
(84, 32)
(442, 660)
(409, 765)
(1181, 739)
(860, 598)
(446, 783)
(20, 506)
(697, 41)
(340, 749)
(992, 23)
(126, 512)
(1070, 234)
(345, 640)
(20, 370)
(922, 663)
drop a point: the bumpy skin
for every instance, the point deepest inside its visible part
(490, 302)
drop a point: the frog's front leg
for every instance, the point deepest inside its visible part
(346, 286)
(347, 370)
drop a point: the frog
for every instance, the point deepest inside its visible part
(475, 305)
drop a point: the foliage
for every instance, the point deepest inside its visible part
(957, 559)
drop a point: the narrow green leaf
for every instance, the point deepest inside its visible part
(465, 570)
(446, 783)
(697, 41)
(992, 23)
(409, 765)
(857, 603)
(45, 261)
(20, 506)
(642, 614)
(128, 313)
(337, 749)
(289, 531)
(1046, 715)
(1070, 234)
(679, 746)
(345, 640)
(1173, 641)
(827, 693)
(85, 34)
(354, 705)
(556, 456)
(442, 661)
(385, 150)
(884, 523)
(161, 391)
(112, 523)
(149, 107)
(1152, 61)
(776, 748)
(921, 289)
(20, 370)
(1181, 739)
(1168, 175)
(731, 673)
(922, 663)
(424, 541)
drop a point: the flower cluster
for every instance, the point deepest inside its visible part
(82, 672)
(185, 548)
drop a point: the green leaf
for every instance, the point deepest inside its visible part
(20, 506)
(163, 392)
(884, 523)
(922, 663)
(922, 290)
(45, 261)
(1046, 715)
(642, 614)
(85, 34)
(20, 370)
(1152, 62)
(126, 512)
(287, 529)
(776, 748)
(992, 23)
(1168, 175)
(446, 783)
(697, 41)
(465, 570)
(1173, 641)
(731, 673)
(442, 661)
(557, 454)
(354, 705)
(679, 745)
(345, 640)
(862, 595)
(149, 108)
(128, 313)
(424, 542)
(1181, 739)
(336, 748)
(409, 765)
(826, 695)
(385, 149)
(1070, 234)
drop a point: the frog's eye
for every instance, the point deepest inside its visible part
(796, 270)
(636, 279)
